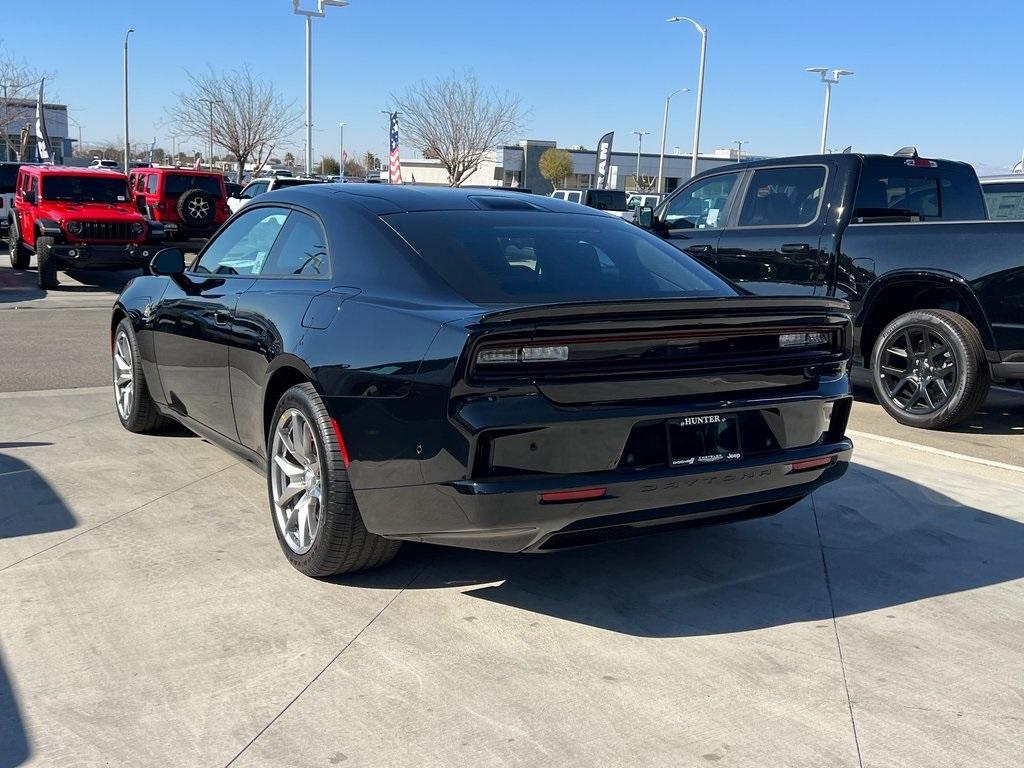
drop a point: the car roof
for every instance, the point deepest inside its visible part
(189, 171)
(67, 170)
(383, 199)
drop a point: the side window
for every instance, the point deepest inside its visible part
(33, 186)
(783, 197)
(574, 197)
(1004, 201)
(151, 186)
(301, 249)
(702, 205)
(243, 247)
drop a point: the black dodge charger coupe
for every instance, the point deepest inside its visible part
(480, 369)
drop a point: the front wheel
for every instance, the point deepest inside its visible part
(929, 369)
(46, 265)
(314, 510)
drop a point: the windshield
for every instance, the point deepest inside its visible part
(511, 257)
(176, 184)
(80, 189)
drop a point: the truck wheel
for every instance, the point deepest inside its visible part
(197, 208)
(46, 265)
(314, 510)
(20, 255)
(928, 369)
(135, 407)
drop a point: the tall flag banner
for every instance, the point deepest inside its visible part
(604, 158)
(395, 162)
(42, 138)
(152, 149)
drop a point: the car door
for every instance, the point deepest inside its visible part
(271, 316)
(193, 321)
(775, 248)
(693, 219)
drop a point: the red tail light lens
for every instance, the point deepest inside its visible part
(806, 464)
(587, 494)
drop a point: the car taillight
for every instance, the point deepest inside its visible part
(511, 355)
(920, 162)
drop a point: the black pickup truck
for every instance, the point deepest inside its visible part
(936, 290)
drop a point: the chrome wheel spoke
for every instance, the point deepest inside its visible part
(291, 470)
(295, 481)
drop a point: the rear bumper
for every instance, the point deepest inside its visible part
(104, 256)
(508, 515)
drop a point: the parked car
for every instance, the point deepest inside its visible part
(1004, 196)
(263, 185)
(480, 369)
(611, 201)
(8, 182)
(232, 188)
(101, 163)
(80, 218)
(902, 238)
(635, 200)
(187, 202)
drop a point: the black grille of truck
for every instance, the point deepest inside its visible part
(106, 230)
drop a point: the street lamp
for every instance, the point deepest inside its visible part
(318, 13)
(664, 131)
(341, 151)
(829, 78)
(126, 149)
(210, 103)
(640, 142)
(739, 148)
(700, 87)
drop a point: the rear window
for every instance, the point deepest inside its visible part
(8, 178)
(511, 257)
(1004, 201)
(177, 184)
(607, 199)
(892, 191)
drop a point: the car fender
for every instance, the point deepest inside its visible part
(48, 228)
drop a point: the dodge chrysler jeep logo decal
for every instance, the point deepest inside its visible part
(691, 420)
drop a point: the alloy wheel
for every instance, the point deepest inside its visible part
(124, 376)
(296, 481)
(199, 208)
(918, 370)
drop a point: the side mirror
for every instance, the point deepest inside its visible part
(168, 262)
(645, 217)
(29, 197)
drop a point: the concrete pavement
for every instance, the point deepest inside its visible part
(147, 617)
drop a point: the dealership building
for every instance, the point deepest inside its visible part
(21, 113)
(517, 165)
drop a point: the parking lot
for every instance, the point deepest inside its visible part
(147, 616)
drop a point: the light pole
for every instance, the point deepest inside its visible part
(310, 15)
(210, 103)
(700, 87)
(126, 149)
(341, 150)
(664, 131)
(739, 148)
(640, 142)
(829, 78)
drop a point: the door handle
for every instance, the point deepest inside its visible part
(699, 249)
(796, 248)
(220, 317)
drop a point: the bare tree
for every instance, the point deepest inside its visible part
(455, 120)
(249, 116)
(19, 88)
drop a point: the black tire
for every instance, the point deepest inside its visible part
(143, 415)
(197, 208)
(46, 265)
(937, 346)
(341, 543)
(21, 256)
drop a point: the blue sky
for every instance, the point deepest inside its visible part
(940, 75)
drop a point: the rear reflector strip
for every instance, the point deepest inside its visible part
(801, 466)
(554, 497)
(341, 443)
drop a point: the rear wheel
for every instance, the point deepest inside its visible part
(135, 408)
(929, 369)
(20, 255)
(314, 510)
(46, 264)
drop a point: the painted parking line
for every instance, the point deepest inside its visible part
(934, 451)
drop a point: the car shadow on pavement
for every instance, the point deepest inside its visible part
(884, 540)
(28, 505)
(14, 746)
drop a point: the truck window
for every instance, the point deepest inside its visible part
(151, 184)
(1004, 201)
(780, 197)
(701, 205)
(607, 199)
(948, 191)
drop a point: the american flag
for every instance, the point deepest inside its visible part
(395, 163)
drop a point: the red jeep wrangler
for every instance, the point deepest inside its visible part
(188, 203)
(78, 218)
